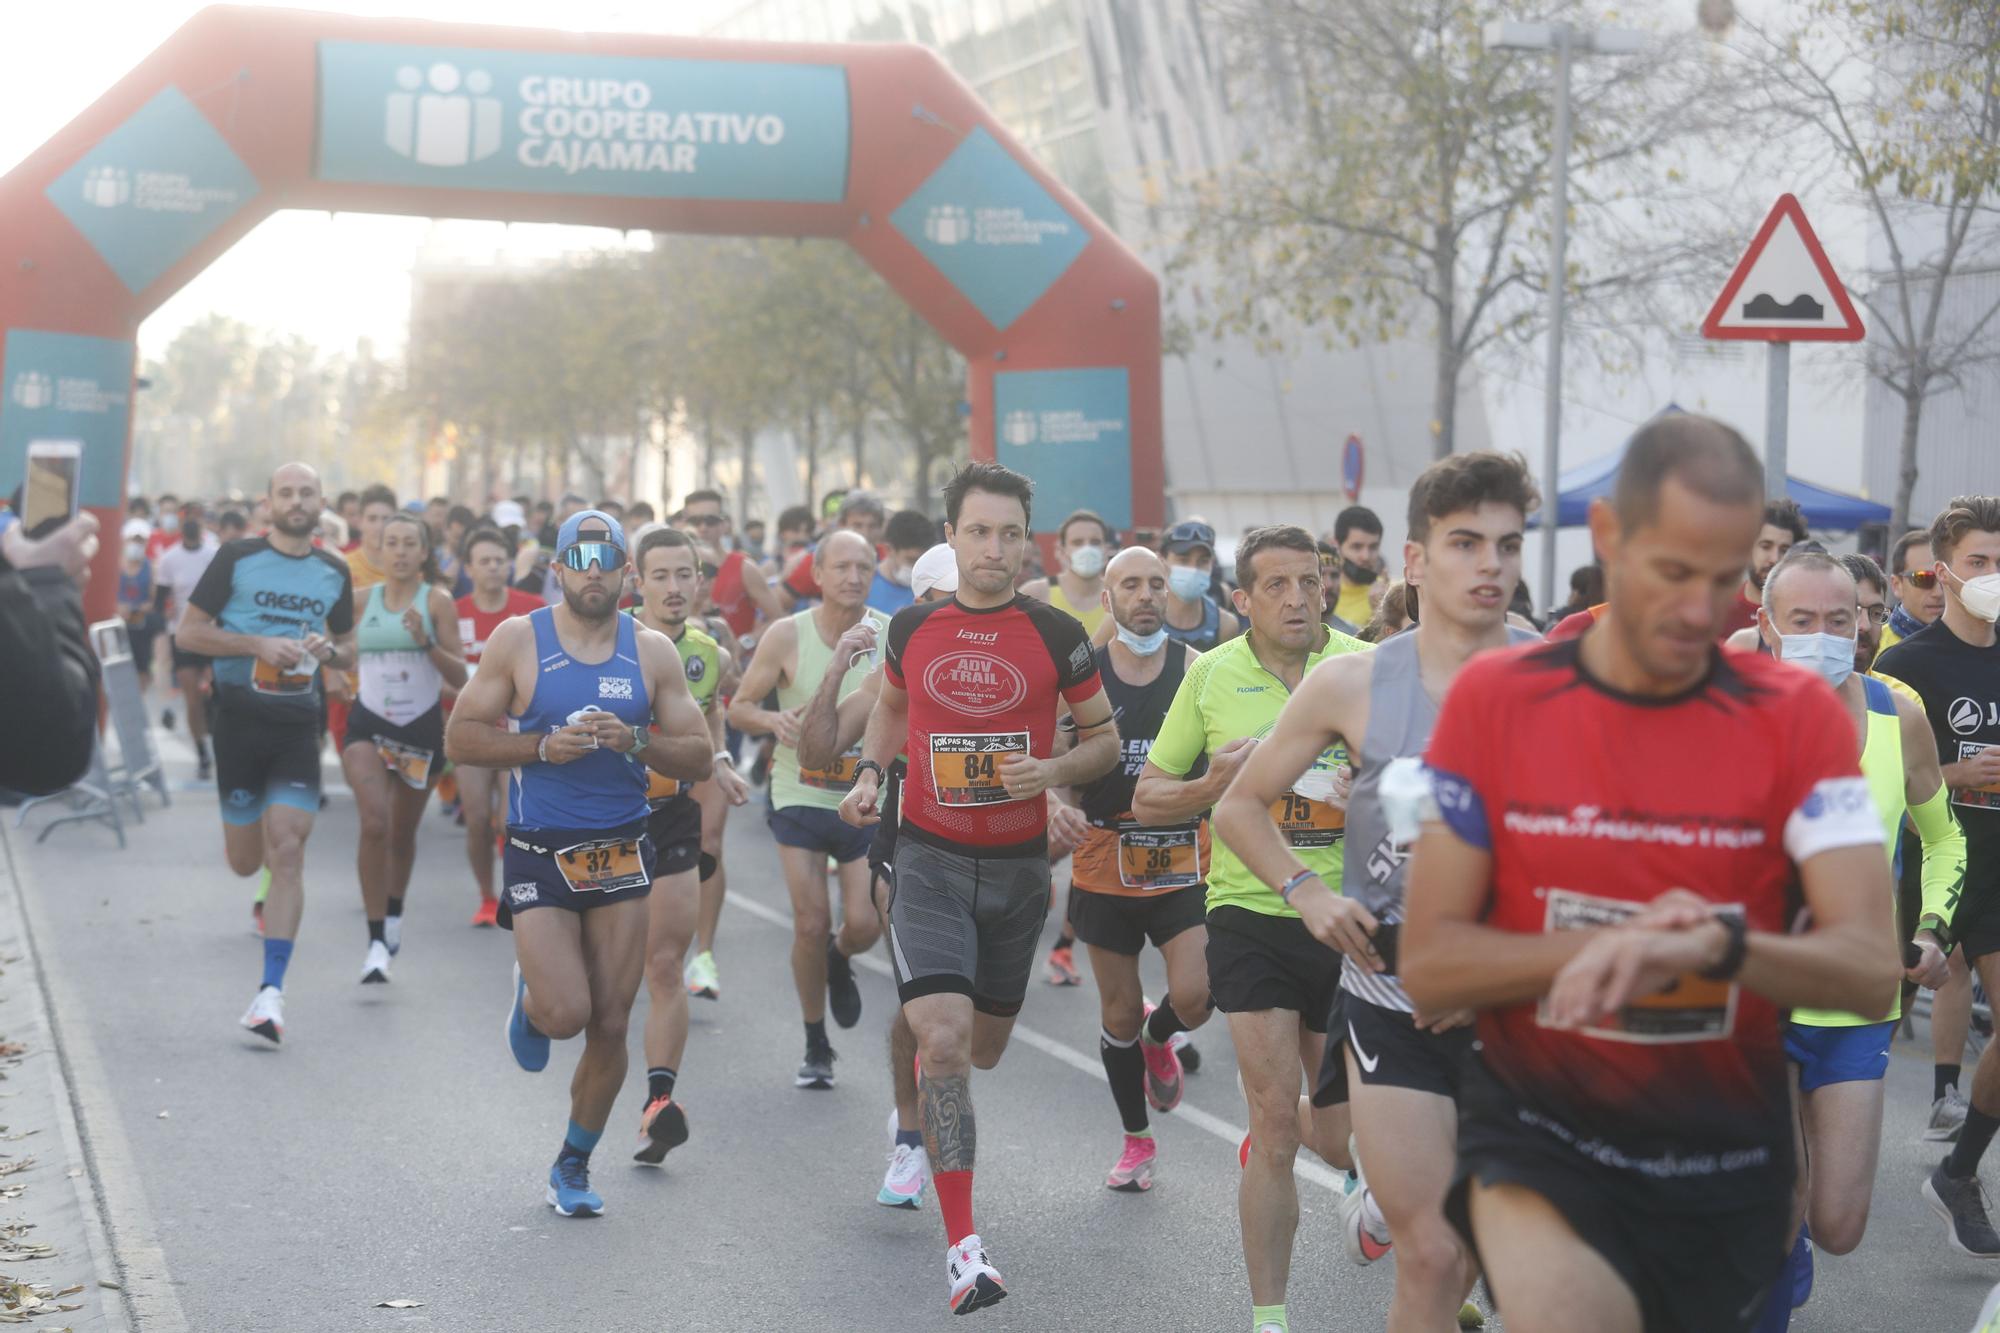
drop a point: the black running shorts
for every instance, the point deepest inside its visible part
(263, 758)
(675, 828)
(1258, 962)
(1123, 923)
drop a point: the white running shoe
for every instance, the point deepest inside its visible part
(266, 1014)
(975, 1284)
(375, 970)
(909, 1171)
(392, 934)
(1362, 1227)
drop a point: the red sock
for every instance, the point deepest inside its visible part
(954, 1194)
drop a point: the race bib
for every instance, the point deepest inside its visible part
(1152, 859)
(601, 867)
(1977, 798)
(1690, 1008)
(1308, 823)
(660, 787)
(965, 767)
(267, 679)
(407, 762)
(837, 776)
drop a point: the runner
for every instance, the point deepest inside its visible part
(408, 652)
(1357, 543)
(272, 611)
(1913, 578)
(1130, 884)
(566, 698)
(793, 656)
(1265, 970)
(909, 534)
(1083, 544)
(180, 568)
(488, 560)
(1811, 617)
(969, 691)
(703, 980)
(669, 580)
(1953, 663)
(1625, 1149)
(1193, 616)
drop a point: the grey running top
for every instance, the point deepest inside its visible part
(1401, 716)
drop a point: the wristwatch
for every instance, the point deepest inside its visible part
(640, 735)
(880, 776)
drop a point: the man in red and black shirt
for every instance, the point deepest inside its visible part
(1625, 828)
(969, 691)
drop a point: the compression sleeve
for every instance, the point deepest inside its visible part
(1944, 862)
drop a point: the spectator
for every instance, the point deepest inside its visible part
(1357, 535)
(136, 598)
(48, 673)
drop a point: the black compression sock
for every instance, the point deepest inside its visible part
(395, 907)
(1066, 940)
(1126, 1068)
(1163, 1023)
(816, 1033)
(375, 933)
(1942, 1077)
(1971, 1145)
(659, 1083)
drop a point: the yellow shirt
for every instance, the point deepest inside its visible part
(363, 570)
(1352, 605)
(1091, 618)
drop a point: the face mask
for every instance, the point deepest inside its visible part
(903, 573)
(1143, 644)
(135, 550)
(168, 520)
(1353, 573)
(1829, 654)
(1087, 562)
(1188, 582)
(1981, 597)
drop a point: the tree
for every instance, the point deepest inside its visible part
(1397, 181)
(1900, 101)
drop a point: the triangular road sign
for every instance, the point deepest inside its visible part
(1783, 290)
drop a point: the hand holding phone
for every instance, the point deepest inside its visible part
(49, 492)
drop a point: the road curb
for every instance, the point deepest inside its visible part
(118, 1223)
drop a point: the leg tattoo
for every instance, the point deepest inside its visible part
(947, 1115)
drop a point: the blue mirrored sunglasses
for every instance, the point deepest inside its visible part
(605, 555)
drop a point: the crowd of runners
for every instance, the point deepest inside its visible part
(1578, 956)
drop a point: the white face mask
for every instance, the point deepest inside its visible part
(1981, 597)
(1189, 582)
(903, 573)
(1087, 562)
(1145, 645)
(135, 550)
(1831, 655)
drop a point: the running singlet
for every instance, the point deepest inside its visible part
(1960, 687)
(1592, 803)
(250, 587)
(599, 790)
(399, 682)
(982, 685)
(701, 664)
(1226, 696)
(1089, 617)
(1202, 637)
(732, 603)
(1120, 855)
(820, 788)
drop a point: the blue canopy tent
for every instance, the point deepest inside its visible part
(1824, 509)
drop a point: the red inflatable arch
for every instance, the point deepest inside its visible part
(243, 112)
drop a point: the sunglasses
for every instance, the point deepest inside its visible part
(706, 520)
(1921, 578)
(604, 555)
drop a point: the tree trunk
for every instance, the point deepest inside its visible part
(858, 440)
(748, 446)
(1444, 388)
(1906, 460)
(812, 452)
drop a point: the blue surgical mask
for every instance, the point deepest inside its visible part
(1831, 655)
(1143, 644)
(1189, 582)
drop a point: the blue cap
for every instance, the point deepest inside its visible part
(567, 536)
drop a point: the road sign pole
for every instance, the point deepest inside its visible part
(1552, 388)
(1777, 411)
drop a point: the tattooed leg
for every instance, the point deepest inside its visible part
(949, 1135)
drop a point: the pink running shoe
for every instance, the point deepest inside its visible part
(1164, 1081)
(1134, 1172)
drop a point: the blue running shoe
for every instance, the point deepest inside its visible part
(569, 1188)
(530, 1047)
(1801, 1267)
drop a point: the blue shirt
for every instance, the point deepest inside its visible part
(888, 596)
(252, 587)
(603, 790)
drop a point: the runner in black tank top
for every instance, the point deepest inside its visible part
(1130, 883)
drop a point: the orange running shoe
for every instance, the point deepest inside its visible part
(488, 913)
(662, 1128)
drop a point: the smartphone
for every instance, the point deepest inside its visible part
(49, 493)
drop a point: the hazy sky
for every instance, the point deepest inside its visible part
(332, 279)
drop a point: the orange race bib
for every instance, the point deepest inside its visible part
(1159, 858)
(407, 762)
(660, 787)
(599, 867)
(1689, 1008)
(836, 776)
(1978, 798)
(1308, 823)
(267, 679)
(965, 767)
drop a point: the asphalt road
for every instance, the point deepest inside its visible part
(391, 1149)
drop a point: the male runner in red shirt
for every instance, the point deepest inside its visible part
(488, 558)
(1625, 828)
(970, 686)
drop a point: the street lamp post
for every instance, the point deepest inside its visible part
(1567, 40)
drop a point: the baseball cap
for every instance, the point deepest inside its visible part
(566, 536)
(936, 568)
(507, 514)
(136, 527)
(1183, 535)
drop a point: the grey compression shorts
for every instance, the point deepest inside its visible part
(966, 925)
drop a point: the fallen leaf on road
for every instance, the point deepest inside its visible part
(69, 1291)
(110, 1286)
(399, 1304)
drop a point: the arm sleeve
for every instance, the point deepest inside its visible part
(211, 592)
(1453, 758)
(1823, 802)
(1944, 861)
(1183, 736)
(50, 677)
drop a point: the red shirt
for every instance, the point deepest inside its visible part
(1573, 626)
(1593, 803)
(982, 684)
(475, 627)
(732, 603)
(1742, 614)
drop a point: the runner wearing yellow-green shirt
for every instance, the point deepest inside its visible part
(1266, 972)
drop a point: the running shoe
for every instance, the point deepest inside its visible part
(909, 1171)
(204, 769)
(1362, 1227)
(375, 971)
(1947, 1116)
(1134, 1172)
(1962, 1204)
(166, 719)
(1471, 1316)
(843, 997)
(392, 934)
(488, 913)
(1989, 1313)
(257, 917)
(569, 1188)
(817, 1072)
(975, 1284)
(1062, 968)
(1184, 1047)
(702, 981)
(266, 1015)
(663, 1128)
(530, 1047)
(1243, 1153)
(1164, 1083)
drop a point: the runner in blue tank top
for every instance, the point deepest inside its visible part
(567, 698)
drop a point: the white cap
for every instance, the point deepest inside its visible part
(507, 514)
(137, 527)
(936, 568)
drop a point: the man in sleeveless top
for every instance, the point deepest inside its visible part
(579, 690)
(1083, 544)
(1397, 1067)
(795, 654)
(1130, 883)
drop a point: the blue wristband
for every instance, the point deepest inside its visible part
(1285, 889)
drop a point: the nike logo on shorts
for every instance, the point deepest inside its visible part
(1367, 1063)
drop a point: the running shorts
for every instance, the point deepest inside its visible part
(184, 660)
(966, 925)
(1123, 922)
(813, 829)
(574, 869)
(675, 828)
(414, 752)
(261, 761)
(1857, 1054)
(1257, 962)
(1390, 1051)
(1976, 926)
